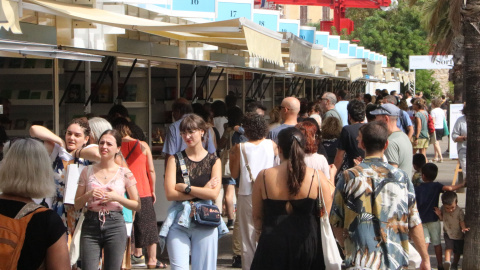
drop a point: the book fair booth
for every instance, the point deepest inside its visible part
(66, 59)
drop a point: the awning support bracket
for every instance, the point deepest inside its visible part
(266, 87)
(259, 85)
(215, 85)
(202, 84)
(189, 81)
(290, 85)
(251, 85)
(69, 86)
(121, 92)
(101, 77)
(301, 86)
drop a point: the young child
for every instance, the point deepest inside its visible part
(453, 228)
(418, 161)
(427, 194)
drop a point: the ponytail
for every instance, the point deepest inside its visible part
(296, 166)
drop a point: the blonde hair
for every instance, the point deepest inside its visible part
(98, 125)
(26, 170)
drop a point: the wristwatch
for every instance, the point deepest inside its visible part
(188, 189)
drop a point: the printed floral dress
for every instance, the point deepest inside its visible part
(61, 159)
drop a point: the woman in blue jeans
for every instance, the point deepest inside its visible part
(184, 237)
(102, 187)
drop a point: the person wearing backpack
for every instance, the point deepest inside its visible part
(31, 235)
(420, 137)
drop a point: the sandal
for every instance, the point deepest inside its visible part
(158, 265)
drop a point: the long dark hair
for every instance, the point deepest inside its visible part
(292, 142)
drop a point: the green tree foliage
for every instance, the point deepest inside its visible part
(397, 34)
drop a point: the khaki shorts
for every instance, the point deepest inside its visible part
(421, 143)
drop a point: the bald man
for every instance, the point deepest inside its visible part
(289, 112)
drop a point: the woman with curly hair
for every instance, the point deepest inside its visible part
(246, 160)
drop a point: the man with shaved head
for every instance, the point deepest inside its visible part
(328, 106)
(289, 112)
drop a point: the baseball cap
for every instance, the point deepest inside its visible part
(386, 109)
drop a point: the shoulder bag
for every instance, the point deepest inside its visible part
(202, 213)
(225, 155)
(331, 255)
(242, 149)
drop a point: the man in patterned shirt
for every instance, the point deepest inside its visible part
(374, 209)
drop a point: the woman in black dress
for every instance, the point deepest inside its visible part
(285, 210)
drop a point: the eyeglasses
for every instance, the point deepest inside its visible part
(283, 107)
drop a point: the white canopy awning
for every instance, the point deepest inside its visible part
(45, 50)
(260, 41)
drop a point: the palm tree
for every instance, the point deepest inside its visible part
(472, 85)
(442, 20)
(453, 27)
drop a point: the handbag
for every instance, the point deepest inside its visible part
(75, 242)
(71, 182)
(445, 128)
(225, 156)
(202, 213)
(331, 255)
(250, 175)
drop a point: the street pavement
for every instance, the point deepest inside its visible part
(445, 176)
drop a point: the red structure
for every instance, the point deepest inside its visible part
(339, 7)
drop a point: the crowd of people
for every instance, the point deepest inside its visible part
(355, 159)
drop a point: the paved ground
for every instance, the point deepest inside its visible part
(445, 176)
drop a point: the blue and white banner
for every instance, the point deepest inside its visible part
(267, 18)
(307, 33)
(233, 9)
(292, 26)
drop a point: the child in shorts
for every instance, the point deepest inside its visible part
(427, 194)
(418, 161)
(453, 228)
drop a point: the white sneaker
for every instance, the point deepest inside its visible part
(446, 265)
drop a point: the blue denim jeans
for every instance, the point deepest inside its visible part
(201, 241)
(111, 237)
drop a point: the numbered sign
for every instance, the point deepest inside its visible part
(384, 61)
(182, 8)
(292, 26)
(343, 47)
(360, 52)
(352, 50)
(321, 38)
(233, 9)
(366, 54)
(194, 5)
(334, 43)
(266, 18)
(307, 33)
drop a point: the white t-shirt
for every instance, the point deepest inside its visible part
(259, 157)
(218, 123)
(438, 115)
(318, 162)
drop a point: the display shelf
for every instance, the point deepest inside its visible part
(31, 102)
(28, 71)
(134, 104)
(17, 132)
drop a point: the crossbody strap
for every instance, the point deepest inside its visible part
(183, 168)
(131, 151)
(242, 149)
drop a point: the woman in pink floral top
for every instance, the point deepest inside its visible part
(102, 187)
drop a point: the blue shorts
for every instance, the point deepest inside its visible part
(228, 181)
